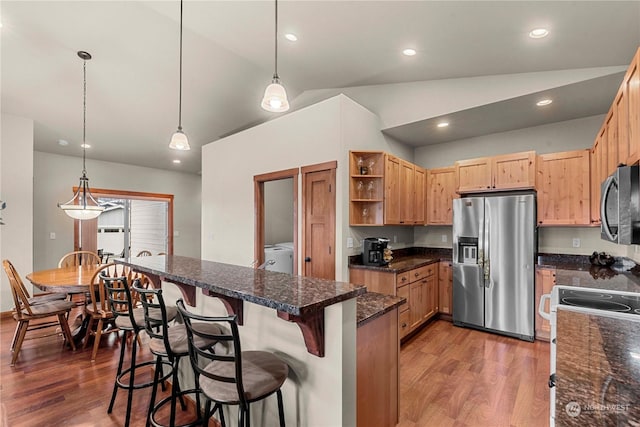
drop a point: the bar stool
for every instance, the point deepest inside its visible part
(238, 378)
(130, 320)
(169, 342)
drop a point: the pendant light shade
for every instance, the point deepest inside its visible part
(82, 205)
(275, 96)
(179, 140)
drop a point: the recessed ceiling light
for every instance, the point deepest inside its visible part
(544, 102)
(85, 145)
(538, 33)
(409, 52)
(443, 124)
(63, 142)
(177, 161)
(291, 37)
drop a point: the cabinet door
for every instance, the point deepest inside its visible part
(445, 287)
(420, 205)
(632, 86)
(514, 171)
(473, 175)
(407, 192)
(391, 190)
(622, 125)
(611, 126)
(440, 194)
(545, 281)
(596, 181)
(431, 297)
(562, 184)
(418, 298)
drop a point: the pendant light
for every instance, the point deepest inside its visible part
(275, 97)
(179, 140)
(82, 205)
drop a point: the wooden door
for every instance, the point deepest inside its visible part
(407, 192)
(473, 175)
(420, 188)
(319, 218)
(391, 189)
(445, 287)
(514, 171)
(440, 194)
(632, 83)
(563, 188)
(611, 126)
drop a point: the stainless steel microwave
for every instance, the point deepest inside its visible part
(620, 206)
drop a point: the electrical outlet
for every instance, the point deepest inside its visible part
(444, 238)
(575, 281)
(52, 236)
(395, 239)
(576, 242)
(349, 242)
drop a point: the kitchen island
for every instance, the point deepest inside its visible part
(321, 388)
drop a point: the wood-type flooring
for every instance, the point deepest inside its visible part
(449, 377)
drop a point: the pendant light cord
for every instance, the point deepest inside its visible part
(275, 76)
(84, 118)
(180, 95)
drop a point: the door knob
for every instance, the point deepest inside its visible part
(307, 259)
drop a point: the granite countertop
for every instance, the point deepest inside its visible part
(405, 259)
(576, 270)
(297, 295)
(372, 305)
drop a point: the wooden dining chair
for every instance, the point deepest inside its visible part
(79, 258)
(25, 312)
(144, 253)
(101, 319)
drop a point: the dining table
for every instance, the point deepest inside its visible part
(68, 280)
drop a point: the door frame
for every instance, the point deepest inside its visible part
(319, 167)
(258, 191)
(137, 195)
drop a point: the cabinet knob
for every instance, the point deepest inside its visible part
(307, 259)
(417, 274)
(404, 279)
(404, 325)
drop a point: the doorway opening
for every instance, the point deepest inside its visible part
(132, 222)
(276, 221)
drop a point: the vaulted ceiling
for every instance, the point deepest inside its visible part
(353, 47)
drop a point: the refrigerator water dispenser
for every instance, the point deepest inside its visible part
(468, 250)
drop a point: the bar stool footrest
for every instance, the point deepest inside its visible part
(126, 386)
(160, 404)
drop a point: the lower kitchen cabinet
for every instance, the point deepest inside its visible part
(445, 287)
(418, 286)
(545, 281)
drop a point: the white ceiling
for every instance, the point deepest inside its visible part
(132, 80)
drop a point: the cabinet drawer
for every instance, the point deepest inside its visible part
(404, 324)
(403, 292)
(403, 279)
(422, 272)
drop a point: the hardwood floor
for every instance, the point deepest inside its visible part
(449, 377)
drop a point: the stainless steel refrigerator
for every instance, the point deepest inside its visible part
(494, 250)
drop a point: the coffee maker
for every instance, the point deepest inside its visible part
(373, 249)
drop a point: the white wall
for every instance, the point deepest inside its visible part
(278, 211)
(16, 188)
(55, 176)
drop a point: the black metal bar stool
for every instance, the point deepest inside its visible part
(169, 342)
(238, 378)
(130, 320)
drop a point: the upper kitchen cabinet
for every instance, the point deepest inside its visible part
(441, 190)
(631, 87)
(507, 172)
(392, 172)
(563, 189)
(366, 187)
(420, 200)
(597, 177)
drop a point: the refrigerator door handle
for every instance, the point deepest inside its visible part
(487, 272)
(482, 263)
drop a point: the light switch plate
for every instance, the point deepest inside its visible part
(576, 242)
(444, 238)
(349, 242)
(52, 236)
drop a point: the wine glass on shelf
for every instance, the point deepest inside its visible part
(365, 215)
(371, 187)
(371, 165)
(359, 189)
